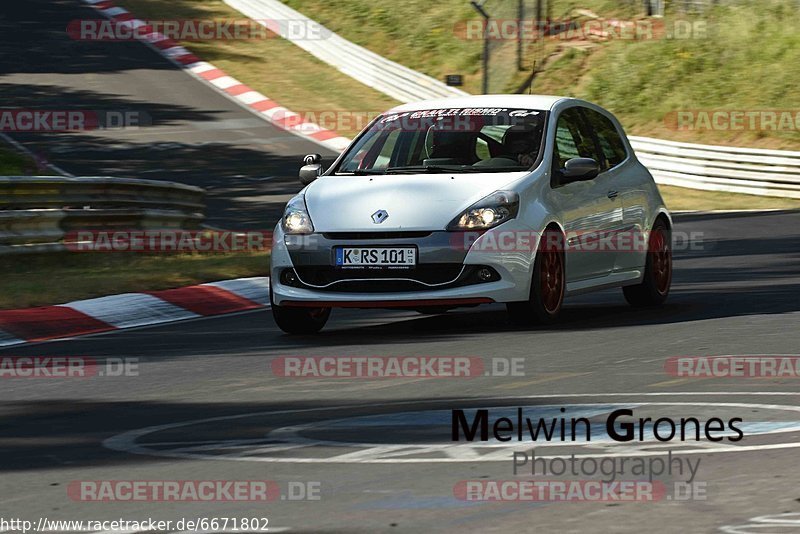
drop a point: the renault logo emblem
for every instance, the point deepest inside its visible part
(379, 216)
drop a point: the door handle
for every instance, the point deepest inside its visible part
(613, 194)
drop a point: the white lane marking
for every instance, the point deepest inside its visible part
(787, 522)
(255, 288)
(790, 518)
(131, 309)
(457, 451)
(127, 442)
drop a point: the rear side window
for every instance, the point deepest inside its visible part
(572, 139)
(609, 138)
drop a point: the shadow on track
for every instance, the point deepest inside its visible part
(57, 434)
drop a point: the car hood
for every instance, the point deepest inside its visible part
(426, 202)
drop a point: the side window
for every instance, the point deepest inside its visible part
(572, 139)
(608, 137)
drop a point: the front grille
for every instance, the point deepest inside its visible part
(351, 236)
(447, 275)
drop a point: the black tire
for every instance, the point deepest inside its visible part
(547, 293)
(654, 289)
(299, 320)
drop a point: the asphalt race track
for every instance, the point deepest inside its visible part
(736, 291)
(191, 133)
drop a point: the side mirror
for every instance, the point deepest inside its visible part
(579, 170)
(312, 169)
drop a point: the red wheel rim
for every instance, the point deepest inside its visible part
(661, 260)
(551, 275)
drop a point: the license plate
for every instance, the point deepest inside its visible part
(376, 257)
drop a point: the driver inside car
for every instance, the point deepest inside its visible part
(520, 144)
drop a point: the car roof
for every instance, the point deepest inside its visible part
(540, 102)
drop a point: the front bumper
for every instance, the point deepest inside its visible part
(446, 274)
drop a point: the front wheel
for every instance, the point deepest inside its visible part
(547, 286)
(299, 320)
(654, 289)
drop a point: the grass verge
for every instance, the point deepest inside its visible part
(722, 66)
(42, 279)
(735, 59)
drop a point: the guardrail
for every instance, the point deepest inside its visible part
(772, 173)
(393, 79)
(36, 212)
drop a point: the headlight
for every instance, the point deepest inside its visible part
(296, 219)
(495, 209)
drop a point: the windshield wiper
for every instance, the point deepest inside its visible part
(450, 168)
(433, 168)
(360, 172)
(413, 169)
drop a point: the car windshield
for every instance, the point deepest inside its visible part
(448, 140)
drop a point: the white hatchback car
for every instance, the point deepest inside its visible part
(517, 199)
